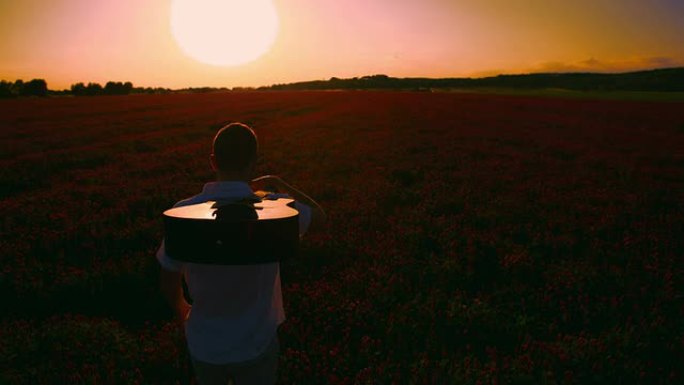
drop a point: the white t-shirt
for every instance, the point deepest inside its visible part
(236, 308)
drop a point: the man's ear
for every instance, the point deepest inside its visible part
(212, 160)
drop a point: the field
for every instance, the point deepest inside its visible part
(576, 94)
(473, 238)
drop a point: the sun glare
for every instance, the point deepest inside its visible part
(224, 32)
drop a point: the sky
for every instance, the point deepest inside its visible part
(69, 41)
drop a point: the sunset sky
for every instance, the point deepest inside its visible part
(68, 41)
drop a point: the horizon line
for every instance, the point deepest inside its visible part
(585, 72)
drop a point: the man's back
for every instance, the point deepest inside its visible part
(236, 308)
(231, 329)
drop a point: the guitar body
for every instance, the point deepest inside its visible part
(233, 233)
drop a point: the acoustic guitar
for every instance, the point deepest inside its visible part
(246, 232)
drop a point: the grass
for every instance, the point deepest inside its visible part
(473, 237)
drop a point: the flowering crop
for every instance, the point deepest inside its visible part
(472, 239)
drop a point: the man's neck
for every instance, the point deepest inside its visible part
(232, 177)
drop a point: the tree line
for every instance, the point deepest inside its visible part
(663, 80)
(111, 88)
(39, 87)
(35, 87)
(667, 80)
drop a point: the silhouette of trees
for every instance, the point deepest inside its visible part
(663, 80)
(118, 88)
(5, 89)
(35, 87)
(78, 89)
(17, 88)
(94, 89)
(150, 90)
(38, 87)
(110, 88)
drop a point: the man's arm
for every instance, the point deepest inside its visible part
(170, 284)
(269, 182)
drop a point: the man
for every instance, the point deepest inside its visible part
(231, 328)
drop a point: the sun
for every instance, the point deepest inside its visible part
(224, 32)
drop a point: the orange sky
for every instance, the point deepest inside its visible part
(67, 41)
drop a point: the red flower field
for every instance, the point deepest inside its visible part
(472, 238)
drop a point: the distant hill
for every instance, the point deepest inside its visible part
(667, 80)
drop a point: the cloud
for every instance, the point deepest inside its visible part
(597, 65)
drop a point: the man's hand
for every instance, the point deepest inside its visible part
(170, 283)
(183, 311)
(274, 183)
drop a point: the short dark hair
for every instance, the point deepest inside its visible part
(235, 146)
